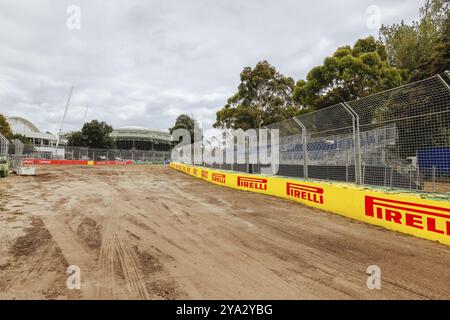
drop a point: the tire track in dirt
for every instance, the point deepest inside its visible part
(39, 264)
(116, 250)
(158, 282)
(128, 261)
(74, 253)
(181, 225)
(107, 276)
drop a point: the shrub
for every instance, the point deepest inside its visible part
(3, 170)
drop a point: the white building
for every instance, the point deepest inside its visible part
(29, 130)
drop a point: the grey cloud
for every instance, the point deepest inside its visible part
(144, 62)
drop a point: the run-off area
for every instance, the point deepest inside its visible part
(150, 232)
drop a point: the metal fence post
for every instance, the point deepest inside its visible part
(305, 147)
(356, 143)
(434, 178)
(247, 153)
(447, 73)
(234, 155)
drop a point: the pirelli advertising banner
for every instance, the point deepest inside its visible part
(427, 218)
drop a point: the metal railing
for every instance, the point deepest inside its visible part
(399, 138)
(4, 146)
(80, 153)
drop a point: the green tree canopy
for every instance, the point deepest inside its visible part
(187, 122)
(350, 73)
(94, 134)
(5, 128)
(75, 139)
(421, 47)
(439, 61)
(20, 137)
(264, 97)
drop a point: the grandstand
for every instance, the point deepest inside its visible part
(139, 138)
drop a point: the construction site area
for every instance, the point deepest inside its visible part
(151, 232)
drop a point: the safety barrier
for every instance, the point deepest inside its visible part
(398, 138)
(102, 163)
(421, 215)
(73, 162)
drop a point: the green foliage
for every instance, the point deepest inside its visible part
(439, 60)
(264, 97)
(5, 128)
(4, 170)
(350, 73)
(421, 47)
(187, 122)
(76, 139)
(19, 137)
(94, 134)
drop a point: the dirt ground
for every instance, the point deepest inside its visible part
(143, 232)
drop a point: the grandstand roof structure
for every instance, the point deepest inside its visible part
(141, 133)
(28, 129)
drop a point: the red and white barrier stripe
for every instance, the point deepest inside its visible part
(73, 162)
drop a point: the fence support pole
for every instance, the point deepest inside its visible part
(434, 178)
(447, 73)
(356, 142)
(234, 155)
(305, 147)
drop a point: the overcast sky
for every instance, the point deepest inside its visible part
(145, 62)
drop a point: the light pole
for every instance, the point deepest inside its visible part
(64, 119)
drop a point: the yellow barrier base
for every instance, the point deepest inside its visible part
(420, 215)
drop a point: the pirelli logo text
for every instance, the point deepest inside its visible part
(414, 215)
(194, 172)
(304, 192)
(204, 174)
(252, 183)
(188, 170)
(218, 177)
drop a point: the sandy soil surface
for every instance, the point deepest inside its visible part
(144, 232)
